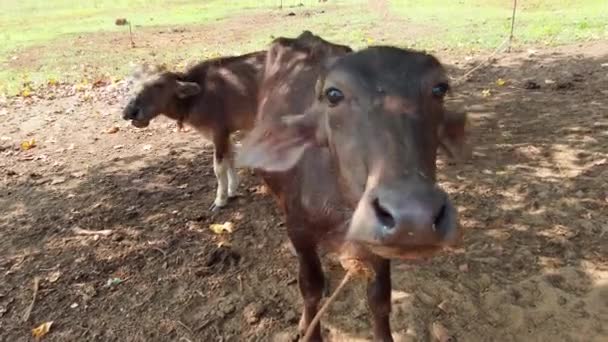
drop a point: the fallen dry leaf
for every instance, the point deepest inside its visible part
(112, 130)
(42, 329)
(260, 189)
(53, 277)
(100, 82)
(218, 228)
(444, 306)
(26, 145)
(500, 82)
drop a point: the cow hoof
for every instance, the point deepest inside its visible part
(215, 207)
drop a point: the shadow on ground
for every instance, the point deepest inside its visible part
(533, 266)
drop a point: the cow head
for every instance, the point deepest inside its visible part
(158, 92)
(379, 111)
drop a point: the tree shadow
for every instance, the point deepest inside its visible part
(533, 204)
(532, 265)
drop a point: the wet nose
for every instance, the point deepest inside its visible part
(407, 215)
(417, 219)
(130, 111)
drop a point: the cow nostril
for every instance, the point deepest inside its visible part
(385, 218)
(439, 218)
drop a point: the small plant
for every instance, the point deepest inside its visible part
(125, 22)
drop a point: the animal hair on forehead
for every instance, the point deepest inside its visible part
(407, 72)
(139, 84)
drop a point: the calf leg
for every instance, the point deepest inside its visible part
(233, 178)
(311, 282)
(379, 299)
(221, 165)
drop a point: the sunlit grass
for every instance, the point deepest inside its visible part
(48, 29)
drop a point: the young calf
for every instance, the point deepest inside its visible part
(217, 97)
(354, 168)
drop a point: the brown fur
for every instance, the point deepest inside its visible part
(217, 97)
(317, 194)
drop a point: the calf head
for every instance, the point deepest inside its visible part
(452, 136)
(379, 111)
(158, 93)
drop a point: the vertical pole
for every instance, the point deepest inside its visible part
(512, 24)
(131, 35)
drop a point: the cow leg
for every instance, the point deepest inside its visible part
(311, 282)
(233, 177)
(221, 164)
(379, 299)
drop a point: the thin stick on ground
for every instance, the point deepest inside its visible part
(185, 327)
(80, 231)
(28, 312)
(325, 306)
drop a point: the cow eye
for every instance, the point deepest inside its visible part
(440, 90)
(334, 96)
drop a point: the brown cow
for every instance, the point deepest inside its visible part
(217, 97)
(353, 168)
(452, 136)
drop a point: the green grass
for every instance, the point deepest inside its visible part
(38, 37)
(484, 24)
(27, 22)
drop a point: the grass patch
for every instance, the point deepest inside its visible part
(484, 24)
(67, 40)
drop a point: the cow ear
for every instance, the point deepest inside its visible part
(277, 145)
(453, 136)
(187, 89)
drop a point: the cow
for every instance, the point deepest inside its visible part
(453, 138)
(217, 97)
(347, 143)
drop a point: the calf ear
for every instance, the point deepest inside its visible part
(277, 145)
(452, 136)
(187, 89)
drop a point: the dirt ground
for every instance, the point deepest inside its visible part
(533, 201)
